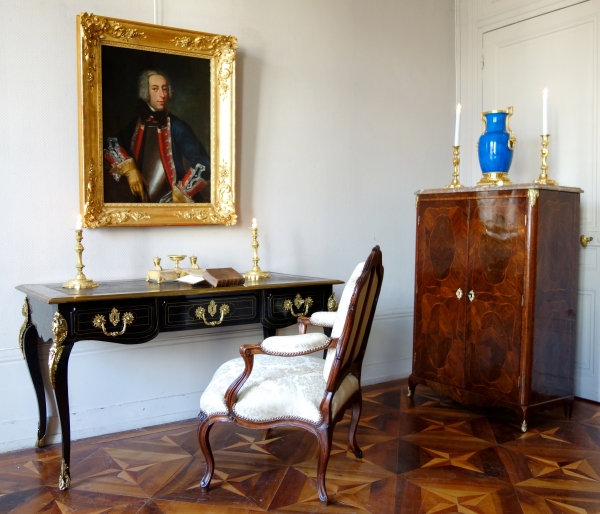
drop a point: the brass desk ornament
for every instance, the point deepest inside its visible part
(160, 275)
(455, 175)
(80, 281)
(544, 179)
(255, 273)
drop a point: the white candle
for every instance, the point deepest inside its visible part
(254, 225)
(78, 224)
(545, 111)
(457, 127)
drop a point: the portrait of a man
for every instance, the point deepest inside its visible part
(155, 156)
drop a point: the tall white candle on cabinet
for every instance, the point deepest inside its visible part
(457, 127)
(545, 111)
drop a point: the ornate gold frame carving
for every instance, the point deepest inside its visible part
(60, 330)
(93, 32)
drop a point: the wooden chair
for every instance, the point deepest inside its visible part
(276, 384)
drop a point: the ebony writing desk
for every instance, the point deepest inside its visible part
(136, 311)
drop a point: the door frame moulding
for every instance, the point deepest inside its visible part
(506, 12)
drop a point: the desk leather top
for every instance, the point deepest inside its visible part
(137, 288)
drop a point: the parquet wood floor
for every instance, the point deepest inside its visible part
(427, 456)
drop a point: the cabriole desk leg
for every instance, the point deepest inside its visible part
(61, 393)
(269, 332)
(29, 341)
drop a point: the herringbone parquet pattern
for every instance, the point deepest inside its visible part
(426, 456)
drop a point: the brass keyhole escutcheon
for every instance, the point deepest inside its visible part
(459, 293)
(471, 295)
(585, 240)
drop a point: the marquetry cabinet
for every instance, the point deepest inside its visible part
(496, 295)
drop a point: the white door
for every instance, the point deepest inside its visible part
(560, 51)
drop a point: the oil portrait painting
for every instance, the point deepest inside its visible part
(156, 125)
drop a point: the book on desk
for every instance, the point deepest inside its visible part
(223, 277)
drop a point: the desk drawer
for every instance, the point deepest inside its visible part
(125, 321)
(282, 307)
(178, 313)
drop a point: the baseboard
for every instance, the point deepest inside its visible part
(376, 373)
(94, 422)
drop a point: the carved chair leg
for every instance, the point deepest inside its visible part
(203, 433)
(324, 436)
(356, 410)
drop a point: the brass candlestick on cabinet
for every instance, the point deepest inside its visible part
(544, 153)
(456, 161)
(80, 281)
(255, 273)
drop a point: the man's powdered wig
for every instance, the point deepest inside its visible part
(143, 86)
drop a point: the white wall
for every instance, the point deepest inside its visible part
(344, 110)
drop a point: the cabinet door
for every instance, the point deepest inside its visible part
(439, 342)
(497, 254)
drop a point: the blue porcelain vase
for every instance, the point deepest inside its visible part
(496, 147)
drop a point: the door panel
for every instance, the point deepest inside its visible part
(494, 312)
(441, 256)
(560, 51)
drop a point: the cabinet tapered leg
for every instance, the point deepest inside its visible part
(524, 415)
(412, 385)
(30, 350)
(568, 408)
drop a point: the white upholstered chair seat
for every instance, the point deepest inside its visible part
(278, 387)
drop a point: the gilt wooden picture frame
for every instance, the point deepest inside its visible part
(156, 124)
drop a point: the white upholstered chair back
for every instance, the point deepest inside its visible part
(342, 312)
(363, 300)
(344, 304)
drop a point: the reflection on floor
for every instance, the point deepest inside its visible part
(430, 456)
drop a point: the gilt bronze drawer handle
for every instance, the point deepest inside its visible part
(471, 295)
(99, 321)
(459, 293)
(298, 302)
(212, 310)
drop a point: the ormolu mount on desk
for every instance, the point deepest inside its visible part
(159, 275)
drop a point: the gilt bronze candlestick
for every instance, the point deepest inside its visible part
(455, 175)
(80, 281)
(255, 273)
(544, 179)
